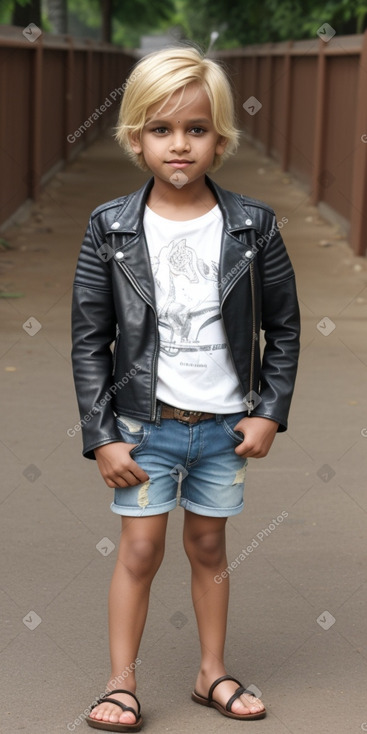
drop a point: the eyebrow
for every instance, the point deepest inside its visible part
(201, 120)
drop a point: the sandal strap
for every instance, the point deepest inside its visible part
(236, 695)
(219, 680)
(123, 706)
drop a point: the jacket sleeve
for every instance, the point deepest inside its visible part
(93, 332)
(280, 320)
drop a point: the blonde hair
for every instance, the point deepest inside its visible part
(162, 73)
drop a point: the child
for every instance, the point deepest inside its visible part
(181, 275)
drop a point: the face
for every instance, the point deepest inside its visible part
(179, 146)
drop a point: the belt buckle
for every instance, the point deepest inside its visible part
(184, 416)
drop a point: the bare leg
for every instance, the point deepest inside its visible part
(205, 545)
(140, 554)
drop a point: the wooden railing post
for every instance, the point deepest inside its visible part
(317, 157)
(358, 212)
(69, 75)
(35, 172)
(287, 107)
(268, 98)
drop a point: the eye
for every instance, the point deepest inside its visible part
(160, 130)
(197, 130)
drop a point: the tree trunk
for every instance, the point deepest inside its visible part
(23, 15)
(58, 15)
(106, 8)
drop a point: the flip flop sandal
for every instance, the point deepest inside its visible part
(109, 726)
(227, 710)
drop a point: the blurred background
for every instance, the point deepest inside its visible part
(298, 625)
(298, 71)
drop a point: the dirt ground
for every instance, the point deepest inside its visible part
(297, 622)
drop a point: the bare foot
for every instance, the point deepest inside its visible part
(113, 714)
(245, 704)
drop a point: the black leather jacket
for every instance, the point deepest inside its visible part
(114, 301)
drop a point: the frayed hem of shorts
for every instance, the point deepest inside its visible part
(211, 511)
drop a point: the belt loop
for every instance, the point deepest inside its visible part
(219, 418)
(158, 414)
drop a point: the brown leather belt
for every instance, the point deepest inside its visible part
(186, 416)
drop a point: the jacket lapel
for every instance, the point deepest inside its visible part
(129, 238)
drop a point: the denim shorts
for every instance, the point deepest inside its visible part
(191, 465)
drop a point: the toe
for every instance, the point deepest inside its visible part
(247, 704)
(127, 717)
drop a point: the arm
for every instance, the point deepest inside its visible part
(280, 321)
(93, 331)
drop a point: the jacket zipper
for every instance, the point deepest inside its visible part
(250, 406)
(135, 284)
(254, 335)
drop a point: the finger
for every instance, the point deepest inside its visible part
(129, 476)
(241, 449)
(140, 474)
(127, 480)
(247, 452)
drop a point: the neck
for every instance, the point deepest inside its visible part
(193, 196)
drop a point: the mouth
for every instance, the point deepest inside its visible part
(179, 163)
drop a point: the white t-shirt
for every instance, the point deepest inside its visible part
(195, 370)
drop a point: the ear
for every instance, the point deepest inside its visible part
(221, 145)
(134, 140)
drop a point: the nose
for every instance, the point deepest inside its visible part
(179, 141)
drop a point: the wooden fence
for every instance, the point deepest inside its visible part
(56, 95)
(304, 103)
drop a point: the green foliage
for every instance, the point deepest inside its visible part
(239, 22)
(243, 22)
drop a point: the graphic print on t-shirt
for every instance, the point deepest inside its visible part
(195, 370)
(186, 307)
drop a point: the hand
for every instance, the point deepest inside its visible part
(259, 434)
(117, 467)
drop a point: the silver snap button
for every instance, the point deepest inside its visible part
(248, 222)
(115, 225)
(119, 255)
(248, 253)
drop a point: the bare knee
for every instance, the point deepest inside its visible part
(142, 556)
(207, 548)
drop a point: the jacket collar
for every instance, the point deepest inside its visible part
(131, 213)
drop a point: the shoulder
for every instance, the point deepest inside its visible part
(110, 209)
(245, 210)
(125, 211)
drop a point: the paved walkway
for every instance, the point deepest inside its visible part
(297, 625)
